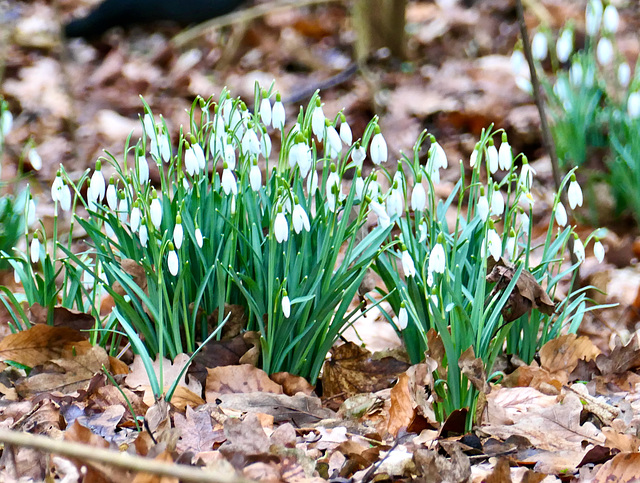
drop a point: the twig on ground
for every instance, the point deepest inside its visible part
(126, 461)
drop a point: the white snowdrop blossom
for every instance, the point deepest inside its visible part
(155, 212)
(265, 145)
(539, 46)
(403, 317)
(300, 219)
(511, 246)
(482, 207)
(178, 233)
(345, 133)
(561, 214)
(633, 105)
(505, 156)
(312, 183)
(65, 198)
(278, 114)
(518, 63)
(418, 197)
(564, 46)
(333, 189)
(199, 239)
(576, 75)
(35, 250)
(383, 218)
(160, 147)
(281, 227)
(497, 202)
(136, 217)
(265, 111)
(593, 17)
(526, 177)
(359, 186)
(97, 185)
(378, 148)
(524, 220)
(474, 157)
(437, 260)
(143, 169)
(228, 182)
(317, 122)
(574, 193)
(422, 232)
(30, 212)
(624, 74)
(6, 122)
(334, 142)
(610, 19)
(112, 196)
(143, 234)
(598, 251)
(359, 154)
(492, 158)
(578, 249)
(194, 161)
(604, 51)
(35, 159)
(286, 306)
(123, 209)
(408, 267)
(395, 202)
(494, 244)
(250, 142)
(437, 153)
(173, 263)
(255, 176)
(56, 188)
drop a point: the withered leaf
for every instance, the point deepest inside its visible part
(621, 359)
(564, 352)
(238, 379)
(196, 431)
(402, 409)
(622, 468)
(137, 273)
(62, 317)
(292, 384)
(473, 367)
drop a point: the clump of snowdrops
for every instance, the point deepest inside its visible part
(594, 101)
(467, 280)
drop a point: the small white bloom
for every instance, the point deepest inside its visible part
(136, 217)
(578, 249)
(437, 260)
(312, 183)
(598, 251)
(564, 47)
(492, 158)
(278, 115)
(97, 186)
(65, 198)
(418, 197)
(229, 154)
(576, 76)
(194, 159)
(510, 248)
(143, 169)
(526, 177)
(281, 228)
(378, 149)
(374, 189)
(6, 121)
(474, 157)
(593, 17)
(112, 196)
(439, 156)
(123, 210)
(518, 63)
(574, 194)
(199, 239)
(178, 235)
(497, 202)
(408, 267)
(561, 214)
(359, 187)
(255, 177)
(317, 123)
(56, 187)
(604, 51)
(505, 157)
(524, 219)
(633, 105)
(422, 232)
(383, 218)
(403, 318)
(539, 46)
(173, 262)
(624, 74)
(163, 147)
(610, 19)
(286, 306)
(483, 207)
(395, 204)
(35, 159)
(334, 142)
(228, 182)
(149, 125)
(155, 212)
(16, 276)
(35, 250)
(494, 244)
(333, 190)
(144, 235)
(30, 212)
(265, 111)
(358, 155)
(250, 143)
(345, 133)
(265, 145)
(300, 219)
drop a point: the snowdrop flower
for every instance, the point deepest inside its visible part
(437, 260)
(408, 267)
(281, 227)
(229, 153)
(160, 147)
(6, 122)
(564, 47)
(56, 187)
(30, 212)
(610, 19)
(505, 157)
(383, 218)
(574, 193)
(278, 114)
(604, 51)
(422, 232)
(539, 46)
(526, 176)
(228, 182)
(265, 110)
(374, 187)
(178, 232)
(418, 196)
(359, 185)
(300, 219)
(35, 249)
(482, 207)
(286, 305)
(497, 202)
(143, 234)
(494, 244)
(255, 176)
(136, 217)
(395, 202)
(194, 159)
(265, 145)
(492, 157)
(624, 74)
(561, 214)
(437, 153)
(345, 131)
(97, 185)
(143, 169)
(576, 74)
(598, 251)
(199, 239)
(35, 159)
(359, 154)
(312, 183)
(403, 317)
(593, 16)
(524, 221)
(112, 195)
(633, 105)
(155, 212)
(334, 142)
(378, 148)
(172, 260)
(578, 249)
(317, 121)
(123, 208)
(149, 126)
(511, 246)
(474, 156)
(250, 143)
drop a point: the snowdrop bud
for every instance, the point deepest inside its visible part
(578, 249)
(312, 183)
(250, 143)
(6, 121)
(35, 159)
(317, 121)
(16, 276)
(564, 47)
(574, 193)
(561, 214)
(345, 131)
(395, 202)
(142, 169)
(163, 146)
(265, 110)
(178, 232)
(286, 305)
(278, 114)
(149, 126)
(265, 145)
(593, 17)
(30, 212)
(199, 239)
(505, 157)
(604, 51)
(35, 249)
(633, 105)
(418, 196)
(610, 19)
(255, 176)
(497, 202)
(383, 218)
(359, 154)
(378, 148)
(437, 259)
(65, 198)
(359, 186)
(112, 195)
(539, 46)
(624, 74)
(281, 227)
(97, 185)
(526, 176)
(123, 208)
(143, 234)
(524, 219)
(482, 208)
(511, 245)
(494, 244)
(474, 156)
(403, 317)
(172, 260)
(422, 232)
(300, 219)
(518, 63)
(155, 212)
(194, 159)
(408, 267)
(136, 217)
(492, 157)
(437, 154)
(598, 251)
(228, 182)
(334, 142)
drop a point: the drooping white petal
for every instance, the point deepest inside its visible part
(505, 156)
(250, 142)
(281, 228)
(334, 142)
(97, 185)
(286, 306)
(144, 235)
(482, 208)
(598, 251)
(574, 194)
(604, 51)
(345, 133)
(265, 111)
(35, 159)
(255, 177)
(143, 169)
(155, 212)
(135, 218)
(539, 46)
(494, 244)
(112, 197)
(610, 19)
(561, 214)
(578, 249)
(437, 259)
(593, 17)
(199, 239)
(317, 123)
(35, 250)
(228, 182)
(358, 155)
(408, 267)
(278, 115)
(178, 235)
(564, 46)
(403, 318)
(379, 151)
(497, 203)
(300, 219)
(493, 158)
(418, 197)
(173, 263)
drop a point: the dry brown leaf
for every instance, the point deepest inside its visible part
(164, 457)
(42, 343)
(107, 396)
(439, 469)
(244, 438)
(196, 431)
(402, 409)
(136, 272)
(537, 378)
(238, 379)
(473, 367)
(292, 384)
(62, 317)
(622, 468)
(621, 359)
(564, 352)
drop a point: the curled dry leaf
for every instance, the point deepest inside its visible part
(564, 352)
(238, 379)
(291, 384)
(621, 359)
(135, 271)
(473, 367)
(622, 468)
(62, 317)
